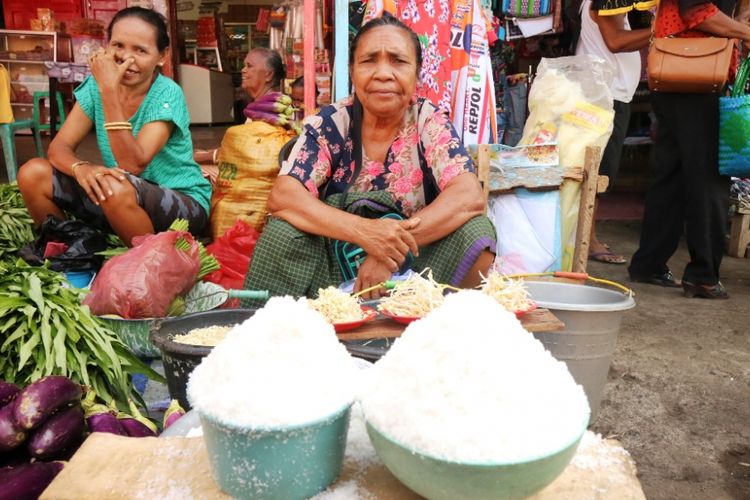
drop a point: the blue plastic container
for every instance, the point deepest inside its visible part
(80, 279)
(284, 463)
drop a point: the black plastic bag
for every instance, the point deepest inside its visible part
(82, 240)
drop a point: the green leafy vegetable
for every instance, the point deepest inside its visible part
(46, 331)
(16, 225)
(209, 263)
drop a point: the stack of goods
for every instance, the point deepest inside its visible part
(86, 27)
(206, 32)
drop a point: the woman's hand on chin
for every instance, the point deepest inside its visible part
(371, 272)
(388, 240)
(107, 73)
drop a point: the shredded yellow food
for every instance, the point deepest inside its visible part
(208, 336)
(510, 293)
(337, 306)
(413, 297)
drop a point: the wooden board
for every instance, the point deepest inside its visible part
(739, 238)
(124, 468)
(586, 209)
(539, 320)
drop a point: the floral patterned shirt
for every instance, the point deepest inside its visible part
(427, 146)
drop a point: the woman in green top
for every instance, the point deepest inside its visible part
(148, 177)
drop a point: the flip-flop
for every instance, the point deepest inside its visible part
(608, 257)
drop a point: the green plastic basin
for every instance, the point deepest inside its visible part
(284, 463)
(436, 478)
(134, 333)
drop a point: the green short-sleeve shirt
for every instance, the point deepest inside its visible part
(173, 167)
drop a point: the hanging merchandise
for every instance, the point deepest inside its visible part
(474, 106)
(570, 102)
(526, 8)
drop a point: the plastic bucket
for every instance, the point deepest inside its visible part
(592, 318)
(276, 463)
(181, 359)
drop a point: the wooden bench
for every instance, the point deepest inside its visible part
(739, 238)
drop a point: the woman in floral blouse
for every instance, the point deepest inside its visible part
(412, 163)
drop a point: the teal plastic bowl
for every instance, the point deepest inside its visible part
(436, 478)
(284, 463)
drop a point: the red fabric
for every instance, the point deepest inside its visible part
(143, 282)
(54, 248)
(234, 251)
(670, 22)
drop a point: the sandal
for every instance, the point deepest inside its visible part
(608, 257)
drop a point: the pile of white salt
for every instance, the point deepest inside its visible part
(468, 383)
(283, 366)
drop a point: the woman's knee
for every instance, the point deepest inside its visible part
(35, 175)
(123, 195)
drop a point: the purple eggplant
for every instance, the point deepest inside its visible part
(57, 434)
(11, 434)
(101, 419)
(8, 392)
(274, 97)
(15, 457)
(43, 397)
(173, 414)
(28, 481)
(135, 424)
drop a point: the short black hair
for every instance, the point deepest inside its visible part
(298, 82)
(148, 16)
(273, 63)
(388, 20)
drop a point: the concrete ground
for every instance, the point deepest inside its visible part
(678, 395)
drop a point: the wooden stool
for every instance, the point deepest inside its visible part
(739, 238)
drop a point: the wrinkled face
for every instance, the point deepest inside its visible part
(384, 71)
(133, 37)
(298, 96)
(255, 74)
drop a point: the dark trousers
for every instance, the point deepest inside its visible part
(687, 190)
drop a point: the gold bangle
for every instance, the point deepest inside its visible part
(78, 164)
(213, 156)
(109, 129)
(118, 124)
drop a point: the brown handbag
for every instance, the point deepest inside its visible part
(689, 65)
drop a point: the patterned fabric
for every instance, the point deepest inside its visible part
(287, 261)
(671, 22)
(427, 144)
(162, 205)
(173, 167)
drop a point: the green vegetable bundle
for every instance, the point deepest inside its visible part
(46, 331)
(209, 263)
(16, 225)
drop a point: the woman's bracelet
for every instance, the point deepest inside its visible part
(213, 156)
(77, 164)
(118, 126)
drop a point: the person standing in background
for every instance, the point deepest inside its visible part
(606, 33)
(688, 192)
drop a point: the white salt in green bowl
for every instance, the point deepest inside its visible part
(437, 478)
(292, 462)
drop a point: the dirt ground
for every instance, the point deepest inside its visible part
(678, 395)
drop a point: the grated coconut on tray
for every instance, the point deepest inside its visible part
(468, 383)
(283, 366)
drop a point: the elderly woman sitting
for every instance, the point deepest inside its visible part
(381, 151)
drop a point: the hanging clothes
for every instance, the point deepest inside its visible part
(473, 104)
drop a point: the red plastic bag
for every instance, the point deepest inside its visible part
(142, 282)
(233, 250)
